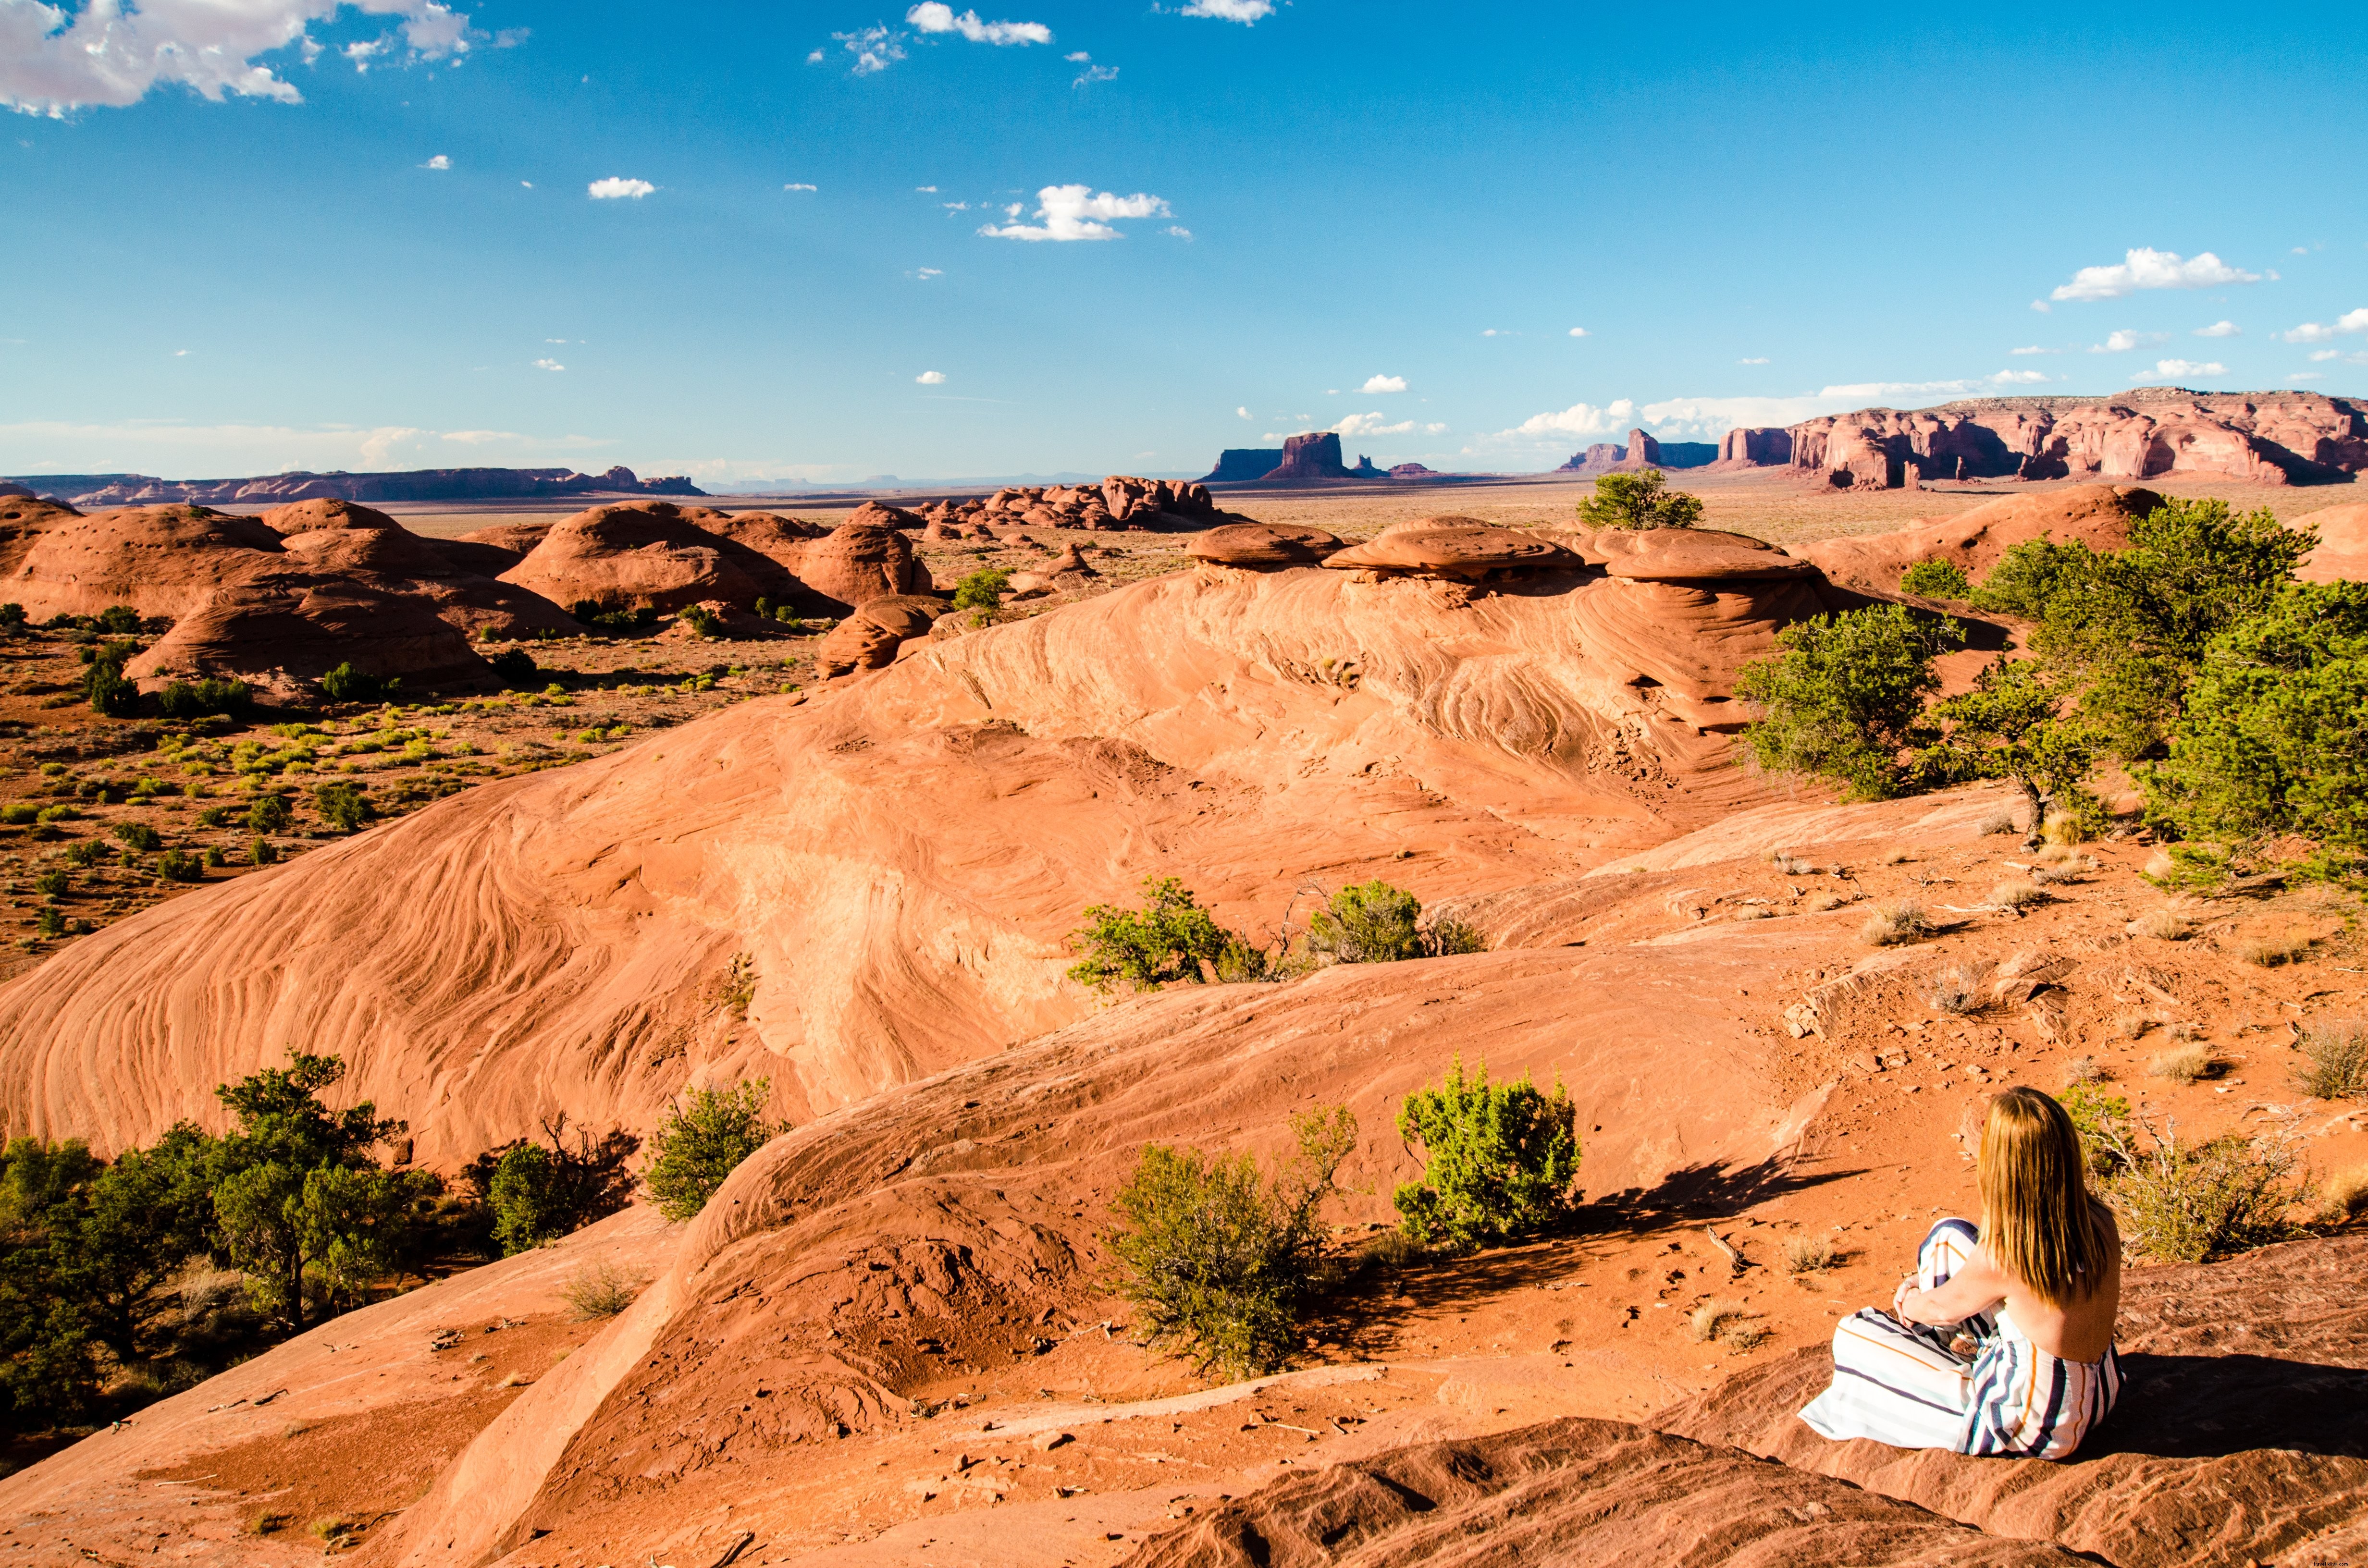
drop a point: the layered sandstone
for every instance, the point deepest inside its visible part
(1120, 501)
(2097, 516)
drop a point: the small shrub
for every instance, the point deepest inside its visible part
(1892, 923)
(212, 695)
(2334, 1064)
(1167, 940)
(702, 621)
(347, 684)
(50, 921)
(515, 666)
(2062, 828)
(1447, 936)
(2094, 1111)
(2182, 1064)
(2346, 1197)
(2160, 925)
(263, 852)
(1713, 1316)
(983, 589)
(1818, 903)
(2017, 892)
(1638, 501)
(213, 856)
(342, 806)
(18, 814)
(180, 865)
(1936, 580)
(1957, 990)
(116, 621)
(2084, 1069)
(600, 1290)
(53, 881)
(1218, 1256)
(2159, 867)
(268, 813)
(1808, 1254)
(87, 854)
(137, 836)
(701, 1141)
(1895, 855)
(1367, 923)
(1999, 823)
(2269, 952)
(1499, 1160)
(12, 616)
(2191, 1203)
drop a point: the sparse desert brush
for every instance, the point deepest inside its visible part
(1754, 911)
(2083, 1070)
(1808, 1254)
(2194, 1202)
(1392, 1249)
(2346, 1196)
(2132, 1026)
(2161, 926)
(2182, 1064)
(2159, 866)
(1891, 924)
(1894, 856)
(2269, 952)
(1728, 1321)
(1957, 990)
(600, 1290)
(2056, 853)
(1997, 823)
(2335, 1060)
(2062, 828)
(2095, 1111)
(2017, 892)
(1818, 903)
(1787, 864)
(1740, 1335)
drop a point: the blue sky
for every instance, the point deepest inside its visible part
(259, 234)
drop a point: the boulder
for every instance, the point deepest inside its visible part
(1263, 544)
(2342, 552)
(162, 561)
(859, 561)
(907, 615)
(1690, 555)
(651, 553)
(1454, 547)
(878, 513)
(290, 623)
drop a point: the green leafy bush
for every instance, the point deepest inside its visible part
(702, 1139)
(18, 814)
(983, 589)
(268, 813)
(347, 684)
(515, 665)
(342, 806)
(263, 852)
(116, 621)
(1375, 923)
(539, 1192)
(1499, 1160)
(180, 865)
(188, 699)
(2094, 1110)
(1638, 501)
(1218, 1256)
(104, 682)
(137, 836)
(2011, 725)
(1845, 696)
(1935, 580)
(1168, 938)
(2194, 1202)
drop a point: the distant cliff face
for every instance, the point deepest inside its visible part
(1235, 464)
(413, 485)
(1756, 446)
(2275, 437)
(1641, 452)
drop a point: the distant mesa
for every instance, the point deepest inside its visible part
(1239, 465)
(2272, 438)
(92, 490)
(1762, 446)
(1413, 470)
(1365, 469)
(1642, 451)
(1315, 455)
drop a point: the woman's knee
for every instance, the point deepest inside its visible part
(1946, 1247)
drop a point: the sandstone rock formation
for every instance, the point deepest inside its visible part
(1237, 465)
(517, 540)
(288, 624)
(1642, 451)
(1454, 547)
(1120, 501)
(1413, 470)
(869, 637)
(1691, 555)
(650, 552)
(2280, 438)
(1312, 456)
(854, 563)
(1263, 544)
(2096, 514)
(2342, 552)
(374, 550)
(1755, 447)
(413, 485)
(162, 561)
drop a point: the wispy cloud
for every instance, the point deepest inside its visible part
(801, 186)
(1380, 383)
(107, 54)
(931, 16)
(931, 378)
(616, 188)
(2180, 370)
(549, 365)
(2220, 329)
(1705, 418)
(1243, 412)
(2123, 341)
(875, 47)
(926, 273)
(172, 449)
(1093, 74)
(2145, 268)
(1177, 231)
(1242, 11)
(1578, 332)
(1077, 212)
(1762, 360)
(2034, 348)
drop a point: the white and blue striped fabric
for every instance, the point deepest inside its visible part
(1976, 1387)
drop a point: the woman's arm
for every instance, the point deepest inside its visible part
(1976, 1287)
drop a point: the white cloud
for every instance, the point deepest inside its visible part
(2306, 376)
(1093, 74)
(2173, 369)
(527, 182)
(2144, 268)
(439, 162)
(1761, 360)
(931, 378)
(2220, 329)
(2034, 348)
(1077, 212)
(955, 206)
(925, 190)
(801, 186)
(2016, 378)
(2123, 340)
(875, 47)
(549, 365)
(1380, 383)
(183, 354)
(1078, 57)
(1707, 418)
(1242, 11)
(815, 58)
(2319, 332)
(616, 188)
(2318, 354)
(926, 273)
(933, 16)
(1372, 425)
(1578, 332)
(1579, 419)
(2353, 321)
(1492, 331)
(1243, 412)
(2041, 306)
(1179, 231)
(105, 54)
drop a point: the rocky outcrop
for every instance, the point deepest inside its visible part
(1642, 451)
(1755, 447)
(1577, 1494)
(2278, 438)
(868, 639)
(1453, 546)
(1365, 469)
(162, 561)
(1312, 456)
(652, 552)
(1413, 470)
(1262, 544)
(1120, 501)
(410, 485)
(289, 626)
(855, 564)
(2096, 514)
(374, 551)
(1238, 465)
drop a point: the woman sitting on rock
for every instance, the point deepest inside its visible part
(2003, 1342)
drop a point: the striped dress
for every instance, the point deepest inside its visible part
(1976, 1387)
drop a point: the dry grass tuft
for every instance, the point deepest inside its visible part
(2161, 926)
(2062, 828)
(1754, 911)
(1903, 920)
(2158, 865)
(1957, 990)
(1740, 1336)
(2056, 853)
(1895, 855)
(1714, 1315)
(600, 1290)
(1998, 822)
(2016, 892)
(2269, 952)
(2132, 1026)
(1818, 903)
(2183, 1063)
(2084, 1069)
(2346, 1197)
(1808, 1255)
(2335, 1060)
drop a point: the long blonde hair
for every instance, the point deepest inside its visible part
(2039, 1223)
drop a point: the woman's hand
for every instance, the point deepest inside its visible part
(1900, 1298)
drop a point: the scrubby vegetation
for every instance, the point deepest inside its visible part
(539, 1192)
(1845, 697)
(1169, 939)
(1499, 1160)
(703, 1140)
(1638, 501)
(197, 699)
(983, 589)
(1375, 923)
(1172, 939)
(1217, 1256)
(2334, 1060)
(347, 684)
(1935, 580)
(2194, 1202)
